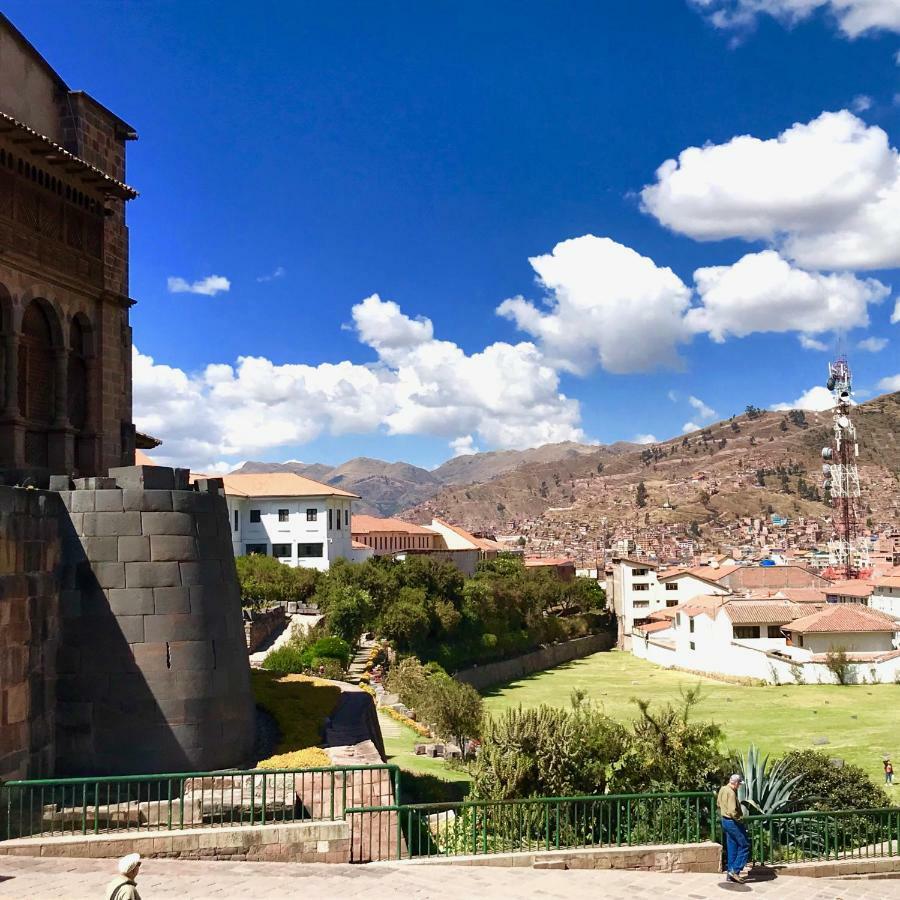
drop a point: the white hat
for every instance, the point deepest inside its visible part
(128, 864)
(738, 778)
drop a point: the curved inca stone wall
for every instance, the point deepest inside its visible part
(152, 669)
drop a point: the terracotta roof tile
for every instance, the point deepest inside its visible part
(370, 524)
(280, 484)
(843, 617)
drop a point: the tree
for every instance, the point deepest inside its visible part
(455, 710)
(405, 620)
(695, 529)
(798, 417)
(838, 663)
(264, 581)
(348, 610)
(753, 412)
(783, 425)
(825, 786)
(640, 497)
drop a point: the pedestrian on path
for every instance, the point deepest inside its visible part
(737, 843)
(123, 886)
(888, 772)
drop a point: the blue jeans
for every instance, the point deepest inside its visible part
(737, 844)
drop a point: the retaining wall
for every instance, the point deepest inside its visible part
(260, 626)
(481, 677)
(291, 842)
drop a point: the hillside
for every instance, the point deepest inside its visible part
(742, 466)
(386, 488)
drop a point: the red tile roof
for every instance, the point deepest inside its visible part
(651, 627)
(844, 617)
(761, 612)
(853, 588)
(374, 524)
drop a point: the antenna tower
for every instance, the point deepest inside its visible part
(848, 550)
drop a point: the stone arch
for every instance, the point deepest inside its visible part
(40, 341)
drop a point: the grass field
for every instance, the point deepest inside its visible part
(861, 722)
(400, 742)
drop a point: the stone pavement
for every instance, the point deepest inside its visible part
(82, 879)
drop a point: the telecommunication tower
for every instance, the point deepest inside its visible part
(848, 550)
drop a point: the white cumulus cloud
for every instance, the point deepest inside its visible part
(816, 399)
(810, 343)
(703, 411)
(873, 344)
(209, 286)
(890, 383)
(895, 315)
(854, 17)
(505, 394)
(464, 445)
(645, 439)
(826, 192)
(688, 427)
(763, 292)
(861, 102)
(274, 275)
(606, 304)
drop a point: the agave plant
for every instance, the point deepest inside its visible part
(766, 790)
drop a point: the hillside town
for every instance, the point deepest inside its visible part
(671, 664)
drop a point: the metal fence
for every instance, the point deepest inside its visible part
(824, 836)
(533, 824)
(72, 806)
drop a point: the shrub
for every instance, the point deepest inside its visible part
(265, 581)
(838, 663)
(766, 790)
(455, 709)
(825, 787)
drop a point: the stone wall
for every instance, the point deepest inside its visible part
(29, 626)
(481, 677)
(288, 842)
(260, 626)
(153, 672)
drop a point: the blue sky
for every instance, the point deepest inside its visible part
(317, 154)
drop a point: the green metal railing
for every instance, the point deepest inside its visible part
(174, 801)
(824, 836)
(533, 824)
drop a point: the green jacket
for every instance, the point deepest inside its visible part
(122, 888)
(728, 803)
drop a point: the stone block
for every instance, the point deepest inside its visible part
(168, 600)
(173, 547)
(174, 627)
(60, 483)
(131, 601)
(151, 574)
(167, 523)
(209, 485)
(134, 548)
(182, 479)
(204, 571)
(96, 483)
(101, 549)
(152, 659)
(132, 628)
(108, 501)
(191, 655)
(146, 501)
(69, 604)
(109, 574)
(81, 501)
(112, 524)
(151, 478)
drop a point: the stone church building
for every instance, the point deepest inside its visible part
(65, 340)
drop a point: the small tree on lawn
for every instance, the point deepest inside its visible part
(456, 710)
(838, 663)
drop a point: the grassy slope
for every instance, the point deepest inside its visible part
(860, 721)
(400, 742)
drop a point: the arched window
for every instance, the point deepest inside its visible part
(79, 351)
(37, 384)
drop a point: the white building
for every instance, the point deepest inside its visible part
(299, 521)
(885, 594)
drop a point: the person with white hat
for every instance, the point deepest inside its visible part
(737, 842)
(123, 886)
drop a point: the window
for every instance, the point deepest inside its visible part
(330, 517)
(746, 632)
(671, 602)
(641, 587)
(284, 515)
(678, 619)
(641, 604)
(347, 517)
(691, 628)
(306, 551)
(774, 631)
(693, 646)
(312, 515)
(338, 520)
(259, 549)
(637, 573)
(254, 517)
(282, 551)
(671, 585)
(237, 520)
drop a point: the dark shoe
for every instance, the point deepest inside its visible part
(739, 878)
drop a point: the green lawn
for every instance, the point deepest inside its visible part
(400, 742)
(861, 722)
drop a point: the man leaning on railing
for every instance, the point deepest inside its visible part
(737, 843)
